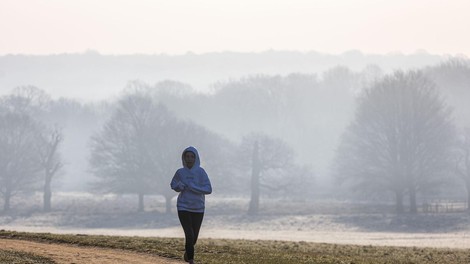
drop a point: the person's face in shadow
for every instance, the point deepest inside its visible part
(189, 159)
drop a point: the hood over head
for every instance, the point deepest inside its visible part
(197, 162)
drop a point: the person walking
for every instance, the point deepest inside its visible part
(193, 184)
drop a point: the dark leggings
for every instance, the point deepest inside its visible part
(191, 223)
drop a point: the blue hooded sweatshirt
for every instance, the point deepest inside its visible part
(192, 184)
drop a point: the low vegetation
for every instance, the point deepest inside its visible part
(246, 251)
(10, 257)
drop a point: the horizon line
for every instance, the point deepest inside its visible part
(192, 53)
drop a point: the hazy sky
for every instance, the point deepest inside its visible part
(179, 26)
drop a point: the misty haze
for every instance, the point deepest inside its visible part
(348, 148)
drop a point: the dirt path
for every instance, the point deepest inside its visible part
(67, 254)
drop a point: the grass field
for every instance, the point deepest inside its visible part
(243, 251)
(12, 257)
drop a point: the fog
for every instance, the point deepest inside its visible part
(341, 136)
(91, 77)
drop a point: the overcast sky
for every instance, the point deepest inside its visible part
(200, 26)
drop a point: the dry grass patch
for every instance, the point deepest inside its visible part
(258, 251)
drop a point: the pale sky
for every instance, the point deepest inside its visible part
(179, 26)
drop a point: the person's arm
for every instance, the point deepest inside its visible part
(176, 183)
(204, 188)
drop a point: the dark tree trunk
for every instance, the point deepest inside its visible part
(141, 202)
(255, 173)
(50, 165)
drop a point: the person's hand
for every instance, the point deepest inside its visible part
(182, 186)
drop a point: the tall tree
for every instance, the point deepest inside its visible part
(20, 114)
(400, 140)
(267, 158)
(47, 148)
(129, 152)
(18, 164)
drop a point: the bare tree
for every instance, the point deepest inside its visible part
(18, 164)
(19, 125)
(47, 146)
(266, 158)
(129, 153)
(28, 100)
(400, 140)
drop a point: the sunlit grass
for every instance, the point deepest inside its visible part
(257, 251)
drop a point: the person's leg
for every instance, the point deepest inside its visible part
(186, 223)
(196, 222)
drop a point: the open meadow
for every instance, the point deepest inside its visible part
(284, 231)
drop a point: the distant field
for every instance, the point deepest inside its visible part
(246, 251)
(319, 221)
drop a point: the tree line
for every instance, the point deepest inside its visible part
(29, 145)
(256, 133)
(135, 152)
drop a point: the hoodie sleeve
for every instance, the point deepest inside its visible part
(176, 183)
(204, 186)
